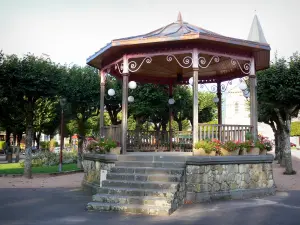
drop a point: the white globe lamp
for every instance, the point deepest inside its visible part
(132, 85)
(243, 86)
(191, 81)
(111, 92)
(171, 101)
(130, 99)
(216, 99)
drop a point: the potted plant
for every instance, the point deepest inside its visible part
(245, 147)
(232, 147)
(255, 148)
(110, 146)
(204, 147)
(266, 145)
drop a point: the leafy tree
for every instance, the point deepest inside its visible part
(46, 117)
(113, 104)
(30, 78)
(279, 100)
(80, 86)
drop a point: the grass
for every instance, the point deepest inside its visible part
(15, 168)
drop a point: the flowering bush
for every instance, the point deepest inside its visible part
(47, 158)
(264, 143)
(208, 146)
(246, 145)
(231, 145)
(102, 147)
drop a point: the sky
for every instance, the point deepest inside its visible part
(69, 31)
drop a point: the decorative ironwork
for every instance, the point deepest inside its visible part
(119, 68)
(132, 65)
(245, 68)
(187, 61)
(202, 61)
(213, 88)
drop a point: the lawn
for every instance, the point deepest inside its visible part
(15, 168)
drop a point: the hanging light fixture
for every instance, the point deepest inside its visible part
(111, 92)
(243, 86)
(130, 99)
(171, 101)
(216, 99)
(132, 85)
(191, 81)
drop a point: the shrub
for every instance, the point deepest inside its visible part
(47, 158)
(52, 144)
(247, 145)
(208, 146)
(45, 145)
(102, 146)
(231, 146)
(2, 144)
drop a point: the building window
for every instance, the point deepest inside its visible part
(236, 107)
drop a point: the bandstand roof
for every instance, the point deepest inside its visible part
(222, 57)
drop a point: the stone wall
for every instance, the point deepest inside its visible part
(234, 177)
(92, 165)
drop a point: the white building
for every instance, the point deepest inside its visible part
(236, 111)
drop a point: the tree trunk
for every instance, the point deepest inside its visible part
(19, 138)
(179, 125)
(287, 156)
(280, 147)
(14, 144)
(28, 144)
(37, 139)
(277, 152)
(81, 141)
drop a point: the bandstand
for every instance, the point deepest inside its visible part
(178, 54)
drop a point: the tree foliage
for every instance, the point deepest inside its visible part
(279, 100)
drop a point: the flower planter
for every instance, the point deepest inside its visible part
(243, 151)
(224, 152)
(201, 152)
(116, 150)
(254, 151)
(263, 152)
(235, 152)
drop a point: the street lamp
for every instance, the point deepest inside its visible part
(171, 101)
(244, 88)
(62, 102)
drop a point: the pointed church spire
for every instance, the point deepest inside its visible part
(179, 18)
(256, 33)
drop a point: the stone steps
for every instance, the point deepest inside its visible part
(143, 177)
(142, 184)
(130, 208)
(137, 192)
(137, 200)
(147, 170)
(135, 164)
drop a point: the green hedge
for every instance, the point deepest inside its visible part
(295, 128)
(2, 143)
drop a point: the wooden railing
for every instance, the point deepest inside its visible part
(113, 132)
(223, 132)
(181, 140)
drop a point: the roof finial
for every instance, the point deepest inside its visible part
(179, 18)
(256, 32)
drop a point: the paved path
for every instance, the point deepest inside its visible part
(58, 200)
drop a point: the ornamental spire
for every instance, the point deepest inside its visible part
(256, 33)
(179, 18)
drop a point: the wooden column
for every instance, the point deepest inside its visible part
(102, 94)
(253, 99)
(219, 95)
(124, 104)
(195, 95)
(170, 117)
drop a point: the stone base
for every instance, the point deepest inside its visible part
(193, 197)
(90, 188)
